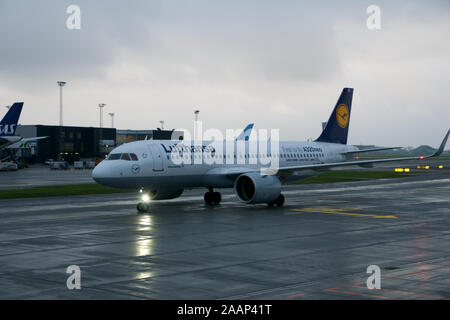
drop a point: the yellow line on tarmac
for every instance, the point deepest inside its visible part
(340, 211)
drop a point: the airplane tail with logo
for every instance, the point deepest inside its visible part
(245, 135)
(336, 130)
(9, 122)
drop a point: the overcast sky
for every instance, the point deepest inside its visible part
(279, 64)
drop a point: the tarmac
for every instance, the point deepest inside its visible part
(318, 246)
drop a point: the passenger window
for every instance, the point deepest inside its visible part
(133, 157)
(114, 156)
(125, 156)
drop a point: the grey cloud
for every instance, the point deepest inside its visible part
(157, 59)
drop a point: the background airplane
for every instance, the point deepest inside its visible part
(8, 127)
(245, 135)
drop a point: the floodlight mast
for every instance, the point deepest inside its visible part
(101, 106)
(61, 84)
(111, 114)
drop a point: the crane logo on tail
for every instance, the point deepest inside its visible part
(342, 115)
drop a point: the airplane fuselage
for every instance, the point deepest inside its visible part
(154, 164)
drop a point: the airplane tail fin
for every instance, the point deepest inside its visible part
(9, 122)
(336, 130)
(245, 135)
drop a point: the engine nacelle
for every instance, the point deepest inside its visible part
(165, 194)
(256, 188)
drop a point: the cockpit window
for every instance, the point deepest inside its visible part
(125, 156)
(114, 156)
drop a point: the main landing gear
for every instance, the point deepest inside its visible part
(277, 202)
(212, 197)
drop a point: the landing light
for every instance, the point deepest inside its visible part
(145, 198)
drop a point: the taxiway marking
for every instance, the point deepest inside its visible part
(343, 211)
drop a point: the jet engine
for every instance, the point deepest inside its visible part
(256, 188)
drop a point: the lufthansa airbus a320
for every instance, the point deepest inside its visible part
(150, 166)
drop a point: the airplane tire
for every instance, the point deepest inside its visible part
(208, 197)
(142, 207)
(212, 197)
(279, 201)
(216, 197)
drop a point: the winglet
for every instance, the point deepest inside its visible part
(442, 146)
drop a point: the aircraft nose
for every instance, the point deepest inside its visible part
(99, 173)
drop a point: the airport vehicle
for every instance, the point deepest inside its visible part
(8, 166)
(8, 126)
(153, 166)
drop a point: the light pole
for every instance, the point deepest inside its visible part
(112, 119)
(196, 137)
(61, 85)
(162, 124)
(101, 106)
(196, 112)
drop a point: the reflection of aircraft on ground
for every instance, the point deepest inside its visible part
(154, 168)
(8, 127)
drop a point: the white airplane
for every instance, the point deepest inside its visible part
(153, 166)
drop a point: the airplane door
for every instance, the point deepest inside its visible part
(156, 153)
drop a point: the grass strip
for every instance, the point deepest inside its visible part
(92, 188)
(351, 175)
(59, 191)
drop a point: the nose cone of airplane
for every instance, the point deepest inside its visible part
(99, 174)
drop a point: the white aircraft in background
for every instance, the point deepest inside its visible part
(149, 166)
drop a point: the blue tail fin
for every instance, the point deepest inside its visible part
(9, 122)
(245, 135)
(336, 130)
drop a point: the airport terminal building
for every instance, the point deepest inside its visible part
(78, 143)
(68, 143)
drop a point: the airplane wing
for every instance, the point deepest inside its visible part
(7, 141)
(369, 150)
(19, 143)
(284, 170)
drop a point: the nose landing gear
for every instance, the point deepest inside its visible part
(212, 197)
(143, 207)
